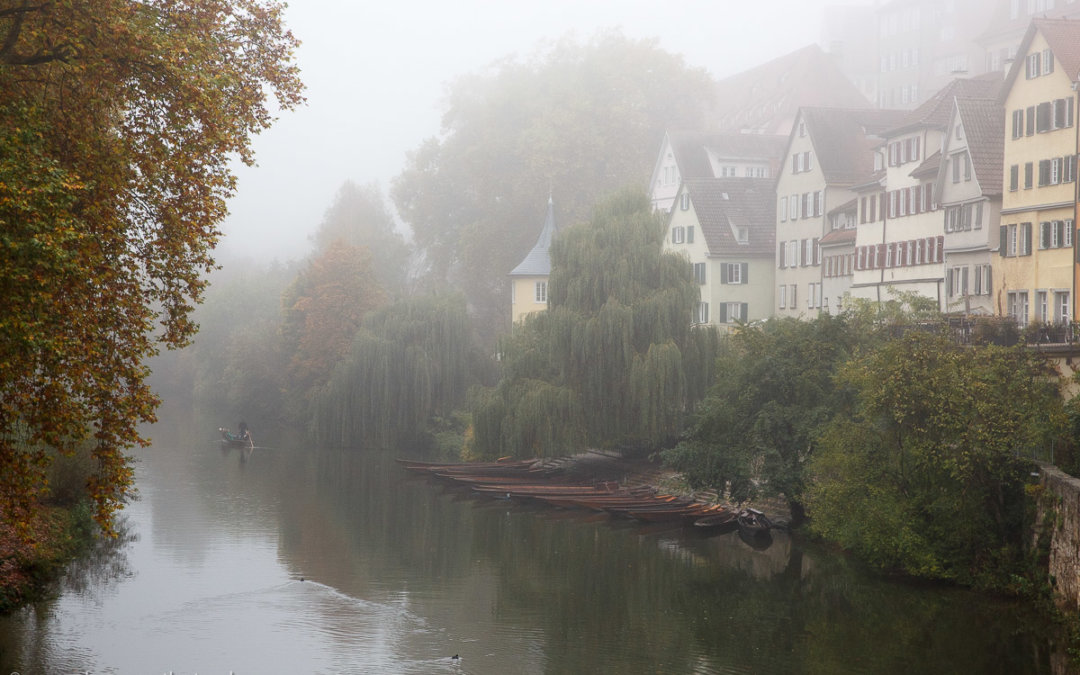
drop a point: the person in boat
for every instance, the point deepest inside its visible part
(244, 434)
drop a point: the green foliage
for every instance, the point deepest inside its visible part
(607, 363)
(772, 393)
(411, 362)
(529, 128)
(925, 473)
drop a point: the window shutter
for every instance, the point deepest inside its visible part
(1042, 117)
(724, 273)
(989, 289)
(743, 309)
(1003, 240)
(783, 250)
(723, 312)
(744, 268)
(1027, 238)
(1030, 121)
(1044, 235)
(690, 234)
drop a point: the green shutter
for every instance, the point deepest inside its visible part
(744, 270)
(723, 273)
(1003, 240)
(744, 311)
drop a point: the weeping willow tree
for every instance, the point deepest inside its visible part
(614, 361)
(410, 363)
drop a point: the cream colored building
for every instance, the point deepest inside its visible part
(901, 247)
(529, 280)
(969, 185)
(1034, 268)
(828, 151)
(724, 227)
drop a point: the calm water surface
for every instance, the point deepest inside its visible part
(293, 560)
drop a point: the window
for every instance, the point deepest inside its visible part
(1047, 62)
(1061, 306)
(1034, 61)
(793, 207)
(1024, 234)
(1042, 306)
(1014, 177)
(701, 313)
(678, 235)
(982, 279)
(1018, 123)
(1029, 123)
(1055, 171)
(1068, 169)
(730, 312)
(793, 300)
(684, 202)
(1029, 172)
(782, 295)
(783, 209)
(1018, 307)
(1043, 116)
(541, 292)
(733, 273)
(811, 295)
(699, 273)
(1044, 172)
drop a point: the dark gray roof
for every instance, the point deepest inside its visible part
(743, 202)
(538, 262)
(691, 150)
(844, 138)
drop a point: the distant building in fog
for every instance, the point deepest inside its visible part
(766, 99)
(692, 154)
(529, 280)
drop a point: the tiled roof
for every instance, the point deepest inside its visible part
(1063, 36)
(690, 148)
(843, 140)
(538, 262)
(766, 98)
(838, 237)
(929, 167)
(846, 206)
(984, 129)
(938, 109)
(721, 203)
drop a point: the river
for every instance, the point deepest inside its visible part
(287, 559)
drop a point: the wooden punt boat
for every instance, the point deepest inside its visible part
(753, 523)
(726, 520)
(690, 511)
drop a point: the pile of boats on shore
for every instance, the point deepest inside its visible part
(532, 480)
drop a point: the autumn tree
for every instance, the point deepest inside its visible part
(323, 309)
(614, 361)
(118, 121)
(360, 216)
(577, 120)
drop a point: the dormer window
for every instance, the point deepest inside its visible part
(742, 234)
(684, 202)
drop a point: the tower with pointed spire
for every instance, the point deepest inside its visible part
(529, 280)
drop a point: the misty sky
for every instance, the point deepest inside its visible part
(376, 74)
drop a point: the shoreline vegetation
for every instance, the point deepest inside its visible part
(31, 565)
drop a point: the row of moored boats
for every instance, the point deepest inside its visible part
(533, 480)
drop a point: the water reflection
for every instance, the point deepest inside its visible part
(400, 572)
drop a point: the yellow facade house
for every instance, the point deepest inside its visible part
(529, 280)
(1034, 269)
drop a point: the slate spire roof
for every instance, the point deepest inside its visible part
(538, 262)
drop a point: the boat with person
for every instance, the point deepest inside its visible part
(240, 440)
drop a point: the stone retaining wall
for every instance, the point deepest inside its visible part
(1061, 493)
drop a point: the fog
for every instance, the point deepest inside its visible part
(376, 75)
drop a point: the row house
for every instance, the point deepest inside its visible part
(827, 151)
(969, 185)
(724, 227)
(1035, 270)
(900, 240)
(691, 154)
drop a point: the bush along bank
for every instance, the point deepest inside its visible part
(30, 564)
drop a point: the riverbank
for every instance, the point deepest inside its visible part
(27, 570)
